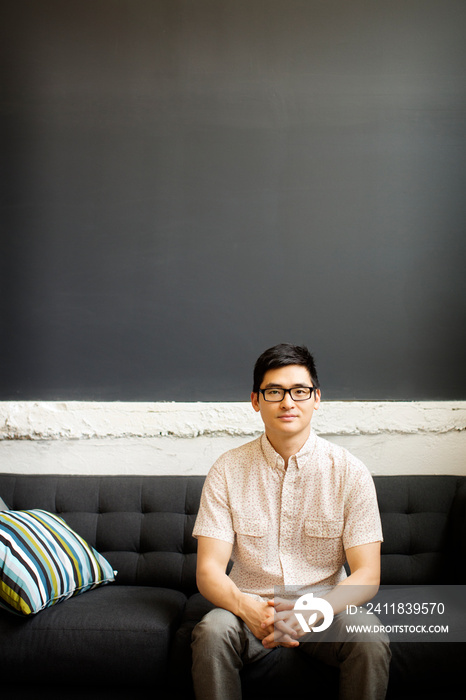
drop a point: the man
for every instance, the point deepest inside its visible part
(289, 508)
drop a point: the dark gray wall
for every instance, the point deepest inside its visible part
(187, 182)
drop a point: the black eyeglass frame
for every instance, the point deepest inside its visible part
(287, 391)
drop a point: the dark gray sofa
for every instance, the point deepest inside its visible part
(133, 636)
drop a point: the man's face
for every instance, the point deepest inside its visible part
(286, 418)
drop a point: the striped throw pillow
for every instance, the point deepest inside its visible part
(44, 562)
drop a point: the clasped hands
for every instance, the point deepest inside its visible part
(281, 626)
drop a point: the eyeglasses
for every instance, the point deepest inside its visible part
(297, 393)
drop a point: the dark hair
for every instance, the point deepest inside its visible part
(280, 356)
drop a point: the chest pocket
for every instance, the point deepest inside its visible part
(251, 541)
(324, 545)
(327, 529)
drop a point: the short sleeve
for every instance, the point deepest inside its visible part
(362, 516)
(214, 518)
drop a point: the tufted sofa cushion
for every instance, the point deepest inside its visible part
(422, 535)
(142, 525)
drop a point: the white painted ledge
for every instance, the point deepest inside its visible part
(76, 420)
(186, 438)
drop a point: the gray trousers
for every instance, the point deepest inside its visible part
(222, 643)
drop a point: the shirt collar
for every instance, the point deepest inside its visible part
(275, 461)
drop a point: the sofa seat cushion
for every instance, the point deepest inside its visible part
(114, 634)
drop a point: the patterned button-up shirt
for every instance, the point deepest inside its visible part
(288, 527)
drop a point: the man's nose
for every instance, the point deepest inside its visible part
(287, 400)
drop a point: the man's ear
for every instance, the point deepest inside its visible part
(255, 401)
(318, 396)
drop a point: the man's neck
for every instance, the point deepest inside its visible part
(287, 447)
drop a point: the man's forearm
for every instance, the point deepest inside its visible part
(357, 589)
(220, 590)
